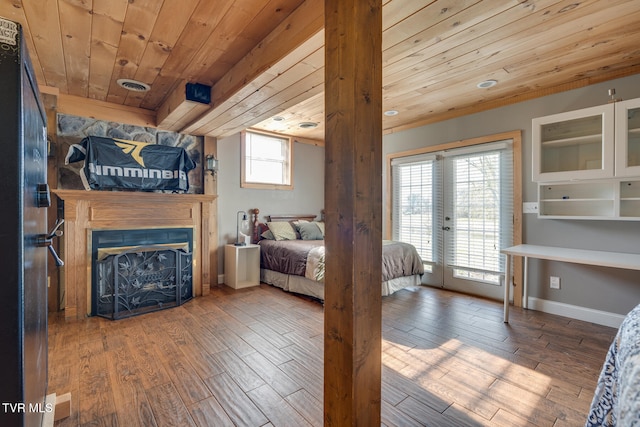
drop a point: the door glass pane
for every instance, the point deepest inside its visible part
(476, 226)
(413, 207)
(572, 145)
(633, 137)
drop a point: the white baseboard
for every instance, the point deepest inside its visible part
(576, 312)
(220, 279)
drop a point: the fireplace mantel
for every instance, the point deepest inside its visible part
(85, 211)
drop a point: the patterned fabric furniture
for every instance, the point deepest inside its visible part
(616, 401)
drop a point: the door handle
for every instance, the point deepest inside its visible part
(446, 228)
(47, 239)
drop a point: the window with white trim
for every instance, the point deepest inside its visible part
(266, 161)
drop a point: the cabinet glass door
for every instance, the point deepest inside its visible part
(628, 138)
(573, 145)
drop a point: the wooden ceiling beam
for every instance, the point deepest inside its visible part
(177, 111)
(263, 64)
(271, 99)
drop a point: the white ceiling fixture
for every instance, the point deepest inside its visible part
(487, 84)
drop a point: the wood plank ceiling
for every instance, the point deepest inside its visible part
(265, 58)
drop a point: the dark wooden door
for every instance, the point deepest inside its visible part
(23, 227)
(35, 254)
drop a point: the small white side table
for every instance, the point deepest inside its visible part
(242, 266)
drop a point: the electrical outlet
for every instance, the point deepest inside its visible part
(530, 207)
(554, 282)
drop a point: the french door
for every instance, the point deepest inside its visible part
(456, 207)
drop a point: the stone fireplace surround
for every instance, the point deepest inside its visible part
(85, 211)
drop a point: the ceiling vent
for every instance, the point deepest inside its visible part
(133, 85)
(307, 125)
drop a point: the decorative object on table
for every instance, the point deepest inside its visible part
(242, 228)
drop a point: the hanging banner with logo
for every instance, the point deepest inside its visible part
(120, 163)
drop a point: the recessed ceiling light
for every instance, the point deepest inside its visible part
(277, 118)
(487, 84)
(133, 85)
(307, 125)
(391, 113)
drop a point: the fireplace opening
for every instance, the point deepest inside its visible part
(139, 271)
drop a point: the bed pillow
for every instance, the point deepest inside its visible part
(263, 231)
(282, 230)
(320, 226)
(309, 231)
(267, 235)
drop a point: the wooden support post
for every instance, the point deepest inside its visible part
(210, 220)
(353, 205)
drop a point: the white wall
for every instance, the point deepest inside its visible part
(307, 196)
(605, 289)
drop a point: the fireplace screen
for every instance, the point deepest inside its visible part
(141, 279)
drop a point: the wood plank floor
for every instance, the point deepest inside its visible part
(254, 357)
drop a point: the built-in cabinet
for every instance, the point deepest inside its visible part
(628, 138)
(574, 145)
(587, 162)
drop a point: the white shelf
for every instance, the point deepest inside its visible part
(612, 199)
(574, 141)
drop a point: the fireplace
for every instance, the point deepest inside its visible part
(141, 270)
(88, 212)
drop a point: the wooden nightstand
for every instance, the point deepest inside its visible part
(241, 266)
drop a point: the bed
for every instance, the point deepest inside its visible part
(292, 256)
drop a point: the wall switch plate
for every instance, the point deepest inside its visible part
(554, 282)
(530, 207)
